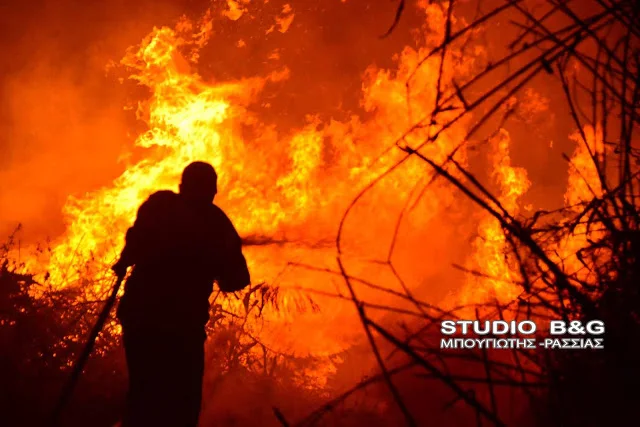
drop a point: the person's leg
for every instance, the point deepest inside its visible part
(165, 377)
(195, 354)
(189, 361)
(135, 366)
(146, 364)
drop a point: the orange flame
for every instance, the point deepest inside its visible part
(582, 186)
(490, 247)
(292, 187)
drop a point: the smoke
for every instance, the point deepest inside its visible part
(62, 126)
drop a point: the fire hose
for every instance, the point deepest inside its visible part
(78, 367)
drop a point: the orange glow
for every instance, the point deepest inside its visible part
(289, 187)
(582, 186)
(490, 247)
(293, 186)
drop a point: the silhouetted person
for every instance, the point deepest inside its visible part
(178, 246)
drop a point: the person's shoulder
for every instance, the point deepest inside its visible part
(163, 194)
(220, 218)
(218, 214)
(161, 197)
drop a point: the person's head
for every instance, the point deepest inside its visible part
(199, 183)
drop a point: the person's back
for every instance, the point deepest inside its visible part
(178, 251)
(179, 245)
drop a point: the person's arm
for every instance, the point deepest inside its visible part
(234, 273)
(135, 239)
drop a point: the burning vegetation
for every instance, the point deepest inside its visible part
(484, 167)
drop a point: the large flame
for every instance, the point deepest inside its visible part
(583, 186)
(292, 188)
(499, 279)
(500, 276)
